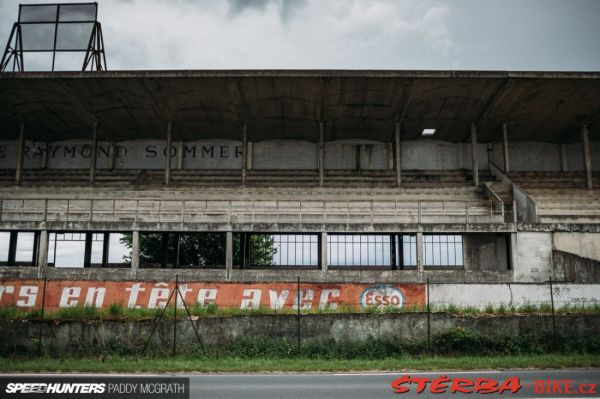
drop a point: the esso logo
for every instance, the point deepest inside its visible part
(382, 296)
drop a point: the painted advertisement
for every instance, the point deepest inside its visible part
(137, 294)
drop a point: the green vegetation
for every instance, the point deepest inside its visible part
(114, 364)
(119, 312)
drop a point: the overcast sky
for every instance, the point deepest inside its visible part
(345, 34)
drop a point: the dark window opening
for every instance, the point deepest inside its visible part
(182, 250)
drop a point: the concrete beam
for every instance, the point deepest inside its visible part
(474, 158)
(168, 153)
(135, 252)
(94, 156)
(324, 263)
(20, 154)
(228, 254)
(505, 148)
(244, 152)
(397, 149)
(587, 156)
(321, 155)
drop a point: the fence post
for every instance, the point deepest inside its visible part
(428, 318)
(42, 318)
(298, 313)
(176, 290)
(552, 305)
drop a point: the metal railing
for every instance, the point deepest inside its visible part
(252, 211)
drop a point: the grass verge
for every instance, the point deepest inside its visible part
(116, 364)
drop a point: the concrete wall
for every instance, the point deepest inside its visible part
(533, 256)
(485, 252)
(292, 154)
(95, 337)
(575, 268)
(586, 245)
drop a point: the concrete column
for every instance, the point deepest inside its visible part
(505, 148)
(244, 152)
(249, 153)
(397, 149)
(180, 155)
(168, 153)
(20, 154)
(324, 264)
(228, 254)
(587, 156)
(135, 252)
(321, 156)
(111, 155)
(474, 158)
(420, 257)
(42, 260)
(564, 158)
(94, 156)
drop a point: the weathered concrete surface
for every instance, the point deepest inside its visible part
(586, 245)
(534, 257)
(75, 337)
(575, 268)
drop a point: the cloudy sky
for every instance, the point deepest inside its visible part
(345, 34)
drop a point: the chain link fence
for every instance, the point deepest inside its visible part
(66, 316)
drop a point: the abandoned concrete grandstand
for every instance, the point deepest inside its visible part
(348, 176)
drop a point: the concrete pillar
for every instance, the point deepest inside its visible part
(20, 154)
(135, 252)
(111, 155)
(474, 158)
(505, 148)
(249, 153)
(228, 254)
(514, 258)
(324, 263)
(94, 156)
(42, 260)
(180, 155)
(397, 149)
(168, 153)
(564, 158)
(244, 152)
(587, 156)
(420, 257)
(321, 155)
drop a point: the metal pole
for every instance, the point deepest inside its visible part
(552, 305)
(42, 318)
(321, 155)
(298, 314)
(175, 316)
(168, 154)
(505, 148)
(244, 152)
(474, 153)
(428, 318)
(587, 157)
(397, 154)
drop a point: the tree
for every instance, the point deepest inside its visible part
(199, 249)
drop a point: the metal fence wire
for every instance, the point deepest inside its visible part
(165, 317)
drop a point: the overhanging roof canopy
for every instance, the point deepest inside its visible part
(543, 106)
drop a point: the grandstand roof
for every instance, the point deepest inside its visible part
(354, 104)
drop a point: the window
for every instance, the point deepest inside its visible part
(355, 250)
(406, 250)
(18, 248)
(4, 246)
(443, 250)
(276, 250)
(182, 250)
(87, 249)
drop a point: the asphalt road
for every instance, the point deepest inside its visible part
(372, 385)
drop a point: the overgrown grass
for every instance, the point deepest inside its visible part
(119, 312)
(190, 364)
